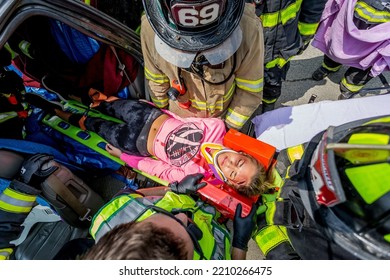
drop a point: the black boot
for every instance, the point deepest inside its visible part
(345, 93)
(266, 107)
(320, 74)
(271, 93)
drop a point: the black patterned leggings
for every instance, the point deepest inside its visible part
(130, 136)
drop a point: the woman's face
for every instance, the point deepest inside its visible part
(237, 168)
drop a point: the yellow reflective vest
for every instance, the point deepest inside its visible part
(215, 241)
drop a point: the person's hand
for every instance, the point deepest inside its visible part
(243, 227)
(189, 185)
(36, 169)
(114, 151)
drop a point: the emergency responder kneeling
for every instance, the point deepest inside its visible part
(152, 223)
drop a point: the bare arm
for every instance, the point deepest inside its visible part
(114, 151)
(156, 191)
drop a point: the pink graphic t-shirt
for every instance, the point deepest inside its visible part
(177, 147)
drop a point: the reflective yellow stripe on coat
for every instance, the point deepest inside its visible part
(236, 118)
(307, 29)
(15, 202)
(5, 253)
(252, 86)
(370, 14)
(270, 237)
(281, 17)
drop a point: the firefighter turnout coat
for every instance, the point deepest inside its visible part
(235, 100)
(16, 202)
(288, 25)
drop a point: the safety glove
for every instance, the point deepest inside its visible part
(36, 169)
(189, 185)
(243, 227)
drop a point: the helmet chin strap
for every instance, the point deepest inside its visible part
(211, 158)
(216, 165)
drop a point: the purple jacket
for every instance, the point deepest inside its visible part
(339, 38)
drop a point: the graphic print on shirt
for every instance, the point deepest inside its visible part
(183, 143)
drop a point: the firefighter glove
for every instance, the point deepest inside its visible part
(189, 185)
(36, 169)
(243, 227)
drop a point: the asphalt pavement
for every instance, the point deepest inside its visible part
(299, 87)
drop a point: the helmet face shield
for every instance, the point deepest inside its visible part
(226, 49)
(327, 187)
(214, 56)
(363, 162)
(174, 56)
(349, 175)
(363, 157)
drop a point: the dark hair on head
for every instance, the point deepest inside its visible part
(261, 181)
(138, 241)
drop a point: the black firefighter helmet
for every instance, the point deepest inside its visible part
(186, 28)
(346, 186)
